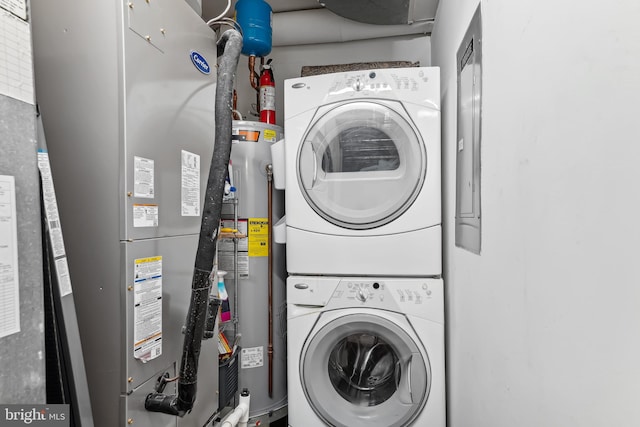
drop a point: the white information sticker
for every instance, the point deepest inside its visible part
(190, 184)
(226, 263)
(9, 297)
(16, 66)
(147, 308)
(50, 204)
(17, 7)
(252, 357)
(143, 177)
(53, 223)
(62, 273)
(243, 243)
(145, 215)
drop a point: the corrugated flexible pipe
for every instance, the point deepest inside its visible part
(229, 47)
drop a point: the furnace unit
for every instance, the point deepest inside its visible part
(126, 91)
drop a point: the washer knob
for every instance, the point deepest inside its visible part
(361, 295)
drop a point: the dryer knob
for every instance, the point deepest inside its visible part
(358, 86)
(361, 295)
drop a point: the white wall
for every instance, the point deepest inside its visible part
(544, 326)
(288, 61)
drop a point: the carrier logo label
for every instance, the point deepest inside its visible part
(201, 64)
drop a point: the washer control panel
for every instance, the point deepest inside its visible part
(378, 293)
(421, 297)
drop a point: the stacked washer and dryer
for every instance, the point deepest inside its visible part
(360, 166)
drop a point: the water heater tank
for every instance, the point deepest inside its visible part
(254, 18)
(248, 286)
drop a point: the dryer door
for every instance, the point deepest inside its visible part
(364, 370)
(361, 164)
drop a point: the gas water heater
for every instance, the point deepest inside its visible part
(261, 320)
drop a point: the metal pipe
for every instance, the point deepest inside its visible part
(270, 272)
(236, 274)
(254, 78)
(230, 44)
(236, 113)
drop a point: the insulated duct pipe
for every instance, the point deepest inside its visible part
(229, 46)
(322, 26)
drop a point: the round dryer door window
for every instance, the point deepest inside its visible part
(361, 164)
(364, 370)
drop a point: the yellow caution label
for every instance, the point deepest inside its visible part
(270, 135)
(150, 259)
(258, 230)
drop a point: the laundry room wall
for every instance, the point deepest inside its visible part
(288, 61)
(542, 326)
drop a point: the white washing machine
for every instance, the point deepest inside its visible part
(365, 352)
(361, 168)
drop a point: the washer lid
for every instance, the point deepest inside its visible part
(361, 164)
(362, 370)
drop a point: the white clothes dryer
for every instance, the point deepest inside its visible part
(362, 173)
(365, 352)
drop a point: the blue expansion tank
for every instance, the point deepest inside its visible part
(254, 17)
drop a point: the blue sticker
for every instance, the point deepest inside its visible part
(200, 63)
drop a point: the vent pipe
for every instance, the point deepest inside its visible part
(317, 26)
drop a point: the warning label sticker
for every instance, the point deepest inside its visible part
(270, 135)
(258, 237)
(145, 215)
(147, 308)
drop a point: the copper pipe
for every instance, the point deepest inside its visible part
(236, 116)
(254, 78)
(270, 273)
(258, 104)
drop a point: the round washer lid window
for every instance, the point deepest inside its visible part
(361, 164)
(362, 370)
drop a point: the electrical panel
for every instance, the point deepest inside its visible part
(469, 68)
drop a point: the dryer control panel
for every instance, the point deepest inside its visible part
(377, 82)
(416, 85)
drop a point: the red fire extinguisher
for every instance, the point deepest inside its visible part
(267, 95)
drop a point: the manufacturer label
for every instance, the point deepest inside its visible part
(190, 184)
(252, 357)
(200, 62)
